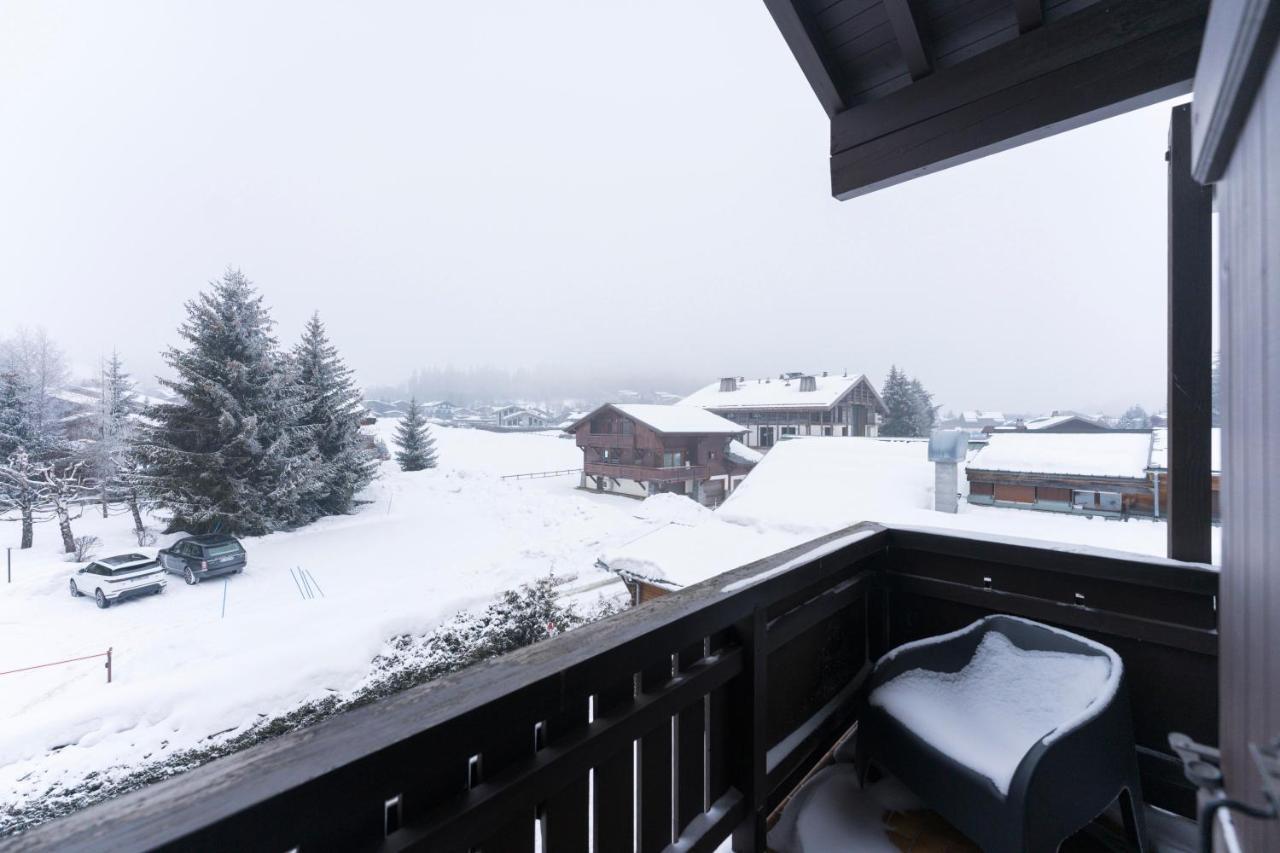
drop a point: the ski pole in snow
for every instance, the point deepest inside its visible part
(225, 581)
(298, 583)
(305, 583)
(314, 581)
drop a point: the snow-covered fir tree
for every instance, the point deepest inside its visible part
(108, 456)
(899, 401)
(332, 413)
(911, 412)
(413, 437)
(16, 428)
(1135, 417)
(229, 455)
(925, 413)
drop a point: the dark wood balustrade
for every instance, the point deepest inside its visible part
(645, 473)
(625, 441)
(725, 693)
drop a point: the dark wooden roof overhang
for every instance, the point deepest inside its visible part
(915, 86)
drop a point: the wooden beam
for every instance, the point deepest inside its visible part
(1190, 507)
(1239, 40)
(1030, 14)
(907, 33)
(800, 37)
(1104, 60)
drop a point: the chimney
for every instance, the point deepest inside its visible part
(808, 383)
(729, 383)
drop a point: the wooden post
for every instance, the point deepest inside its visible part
(108, 664)
(1190, 507)
(749, 737)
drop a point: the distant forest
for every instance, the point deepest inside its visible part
(464, 386)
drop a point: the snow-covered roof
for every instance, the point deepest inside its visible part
(776, 393)
(1052, 421)
(979, 415)
(813, 486)
(739, 452)
(1160, 449)
(679, 419)
(1085, 454)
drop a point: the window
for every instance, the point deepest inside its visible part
(788, 430)
(673, 459)
(222, 550)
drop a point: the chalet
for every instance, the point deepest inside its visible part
(1057, 422)
(519, 417)
(642, 449)
(1097, 473)
(769, 410)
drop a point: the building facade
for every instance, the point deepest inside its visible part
(794, 404)
(641, 450)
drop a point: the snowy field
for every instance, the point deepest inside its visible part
(426, 546)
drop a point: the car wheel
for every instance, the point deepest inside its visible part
(101, 600)
(75, 591)
(190, 576)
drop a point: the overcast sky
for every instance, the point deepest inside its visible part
(634, 185)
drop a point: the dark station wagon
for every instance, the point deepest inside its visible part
(205, 556)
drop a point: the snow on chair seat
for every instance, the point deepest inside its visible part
(1016, 732)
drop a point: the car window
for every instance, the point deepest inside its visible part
(189, 549)
(95, 569)
(223, 549)
(124, 570)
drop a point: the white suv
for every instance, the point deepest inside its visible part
(114, 579)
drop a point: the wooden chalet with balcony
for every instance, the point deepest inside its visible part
(794, 404)
(640, 450)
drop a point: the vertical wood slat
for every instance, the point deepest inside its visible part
(564, 825)
(614, 798)
(690, 750)
(1190, 341)
(655, 770)
(507, 746)
(719, 748)
(748, 724)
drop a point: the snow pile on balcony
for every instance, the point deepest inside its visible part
(1003, 702)
(831, 812)
(1087, 454)
(671, 508)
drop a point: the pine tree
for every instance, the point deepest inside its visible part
(16, 428)
(925, 413)
(113, 427)
(229, 455)
(332, 415)
(1135, 417)
(900, 403)
(413, 437)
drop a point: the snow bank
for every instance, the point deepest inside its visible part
(424, 546)
(671, 508)
(1006, 699)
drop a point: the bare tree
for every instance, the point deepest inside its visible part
(20, 492)
(61, 490)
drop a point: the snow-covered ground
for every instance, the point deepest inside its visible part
(426, 546)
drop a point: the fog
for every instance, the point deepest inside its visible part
(633, 191)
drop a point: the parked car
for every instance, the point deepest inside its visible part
(113, 579)
(205, 556)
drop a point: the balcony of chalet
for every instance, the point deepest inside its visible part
(646, 473)
(690, 720)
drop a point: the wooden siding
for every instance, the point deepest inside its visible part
(1249, 252)
(1016, 494)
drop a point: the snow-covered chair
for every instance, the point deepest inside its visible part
(1017, 733)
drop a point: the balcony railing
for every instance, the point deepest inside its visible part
(646, 473)
(725, 693)
(607, 439)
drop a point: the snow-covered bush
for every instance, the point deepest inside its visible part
(86, 547)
